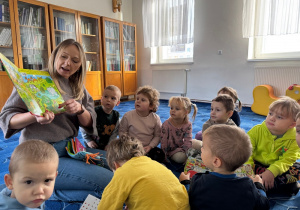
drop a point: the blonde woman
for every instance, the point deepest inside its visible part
(75, 179)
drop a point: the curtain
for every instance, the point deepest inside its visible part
(168, 22)
(270, 17)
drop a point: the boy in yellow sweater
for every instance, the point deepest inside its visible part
(138, 181)
(275, 149)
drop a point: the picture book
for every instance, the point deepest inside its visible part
(90, 203)
(195, 165)
(35, 87)
(77, 151)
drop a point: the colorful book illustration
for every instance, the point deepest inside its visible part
(195, 165)
(77, 146)
(90, 203)
(77, 151)
(35, 87)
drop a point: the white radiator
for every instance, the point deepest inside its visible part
(170, 81)
(280, 78)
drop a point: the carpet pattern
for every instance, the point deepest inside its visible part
(248, 120)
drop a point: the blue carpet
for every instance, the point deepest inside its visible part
(248, 120)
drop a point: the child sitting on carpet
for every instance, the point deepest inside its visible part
(225, 148)
(140, 182)
(275, 149)
(222, 108)
(176, 132)
(32, 172)
(232, 92)
(235, 115)
(143, 123)
(107, 121)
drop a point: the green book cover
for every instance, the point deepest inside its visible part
(35, 87)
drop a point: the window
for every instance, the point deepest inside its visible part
(181, 53)
(275, 47)
(272, 27)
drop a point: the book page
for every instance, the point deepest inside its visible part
(35, 87)
(90, 203)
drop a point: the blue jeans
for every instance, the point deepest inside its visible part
(76, 179)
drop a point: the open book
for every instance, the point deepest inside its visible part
(194, 164)
(35, 87)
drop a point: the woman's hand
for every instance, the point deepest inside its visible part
(46, 118)
(71, 106)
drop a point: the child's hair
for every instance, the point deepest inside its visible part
(288, 106)
(114, 88)
(226, 100)
(34, 151)
(232, 92)
(152, 94)
(229, 143)
(123, 149)
(186, 103)
(298, 116)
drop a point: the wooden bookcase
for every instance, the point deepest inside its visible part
(90, 38)
(8, 48)
(119, 55)
(33, 34)
(30, 30)
(129, 58)
(63, 24)
(27, 43)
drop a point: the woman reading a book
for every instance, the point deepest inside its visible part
(75, 179)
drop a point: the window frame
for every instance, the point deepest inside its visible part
(157, 57)
(255, 52)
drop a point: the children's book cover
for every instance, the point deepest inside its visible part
(35, 87)
(194, 164)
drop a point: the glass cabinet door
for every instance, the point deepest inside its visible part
(64, 26)
(90, 39)
(33, 32)
(7, 45)
(112, 46)
(129, 48)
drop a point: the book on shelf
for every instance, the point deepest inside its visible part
(5, 37)
(30, 16)
(4, 12)
(89, 65)
(36, 88)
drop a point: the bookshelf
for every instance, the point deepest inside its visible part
(111, 52)
(129, 58)
(63, 24)
(33, 32)
(119, 52)
(90, 38)
(8, 46)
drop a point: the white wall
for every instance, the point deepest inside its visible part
(97, 7)
(218, 26)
